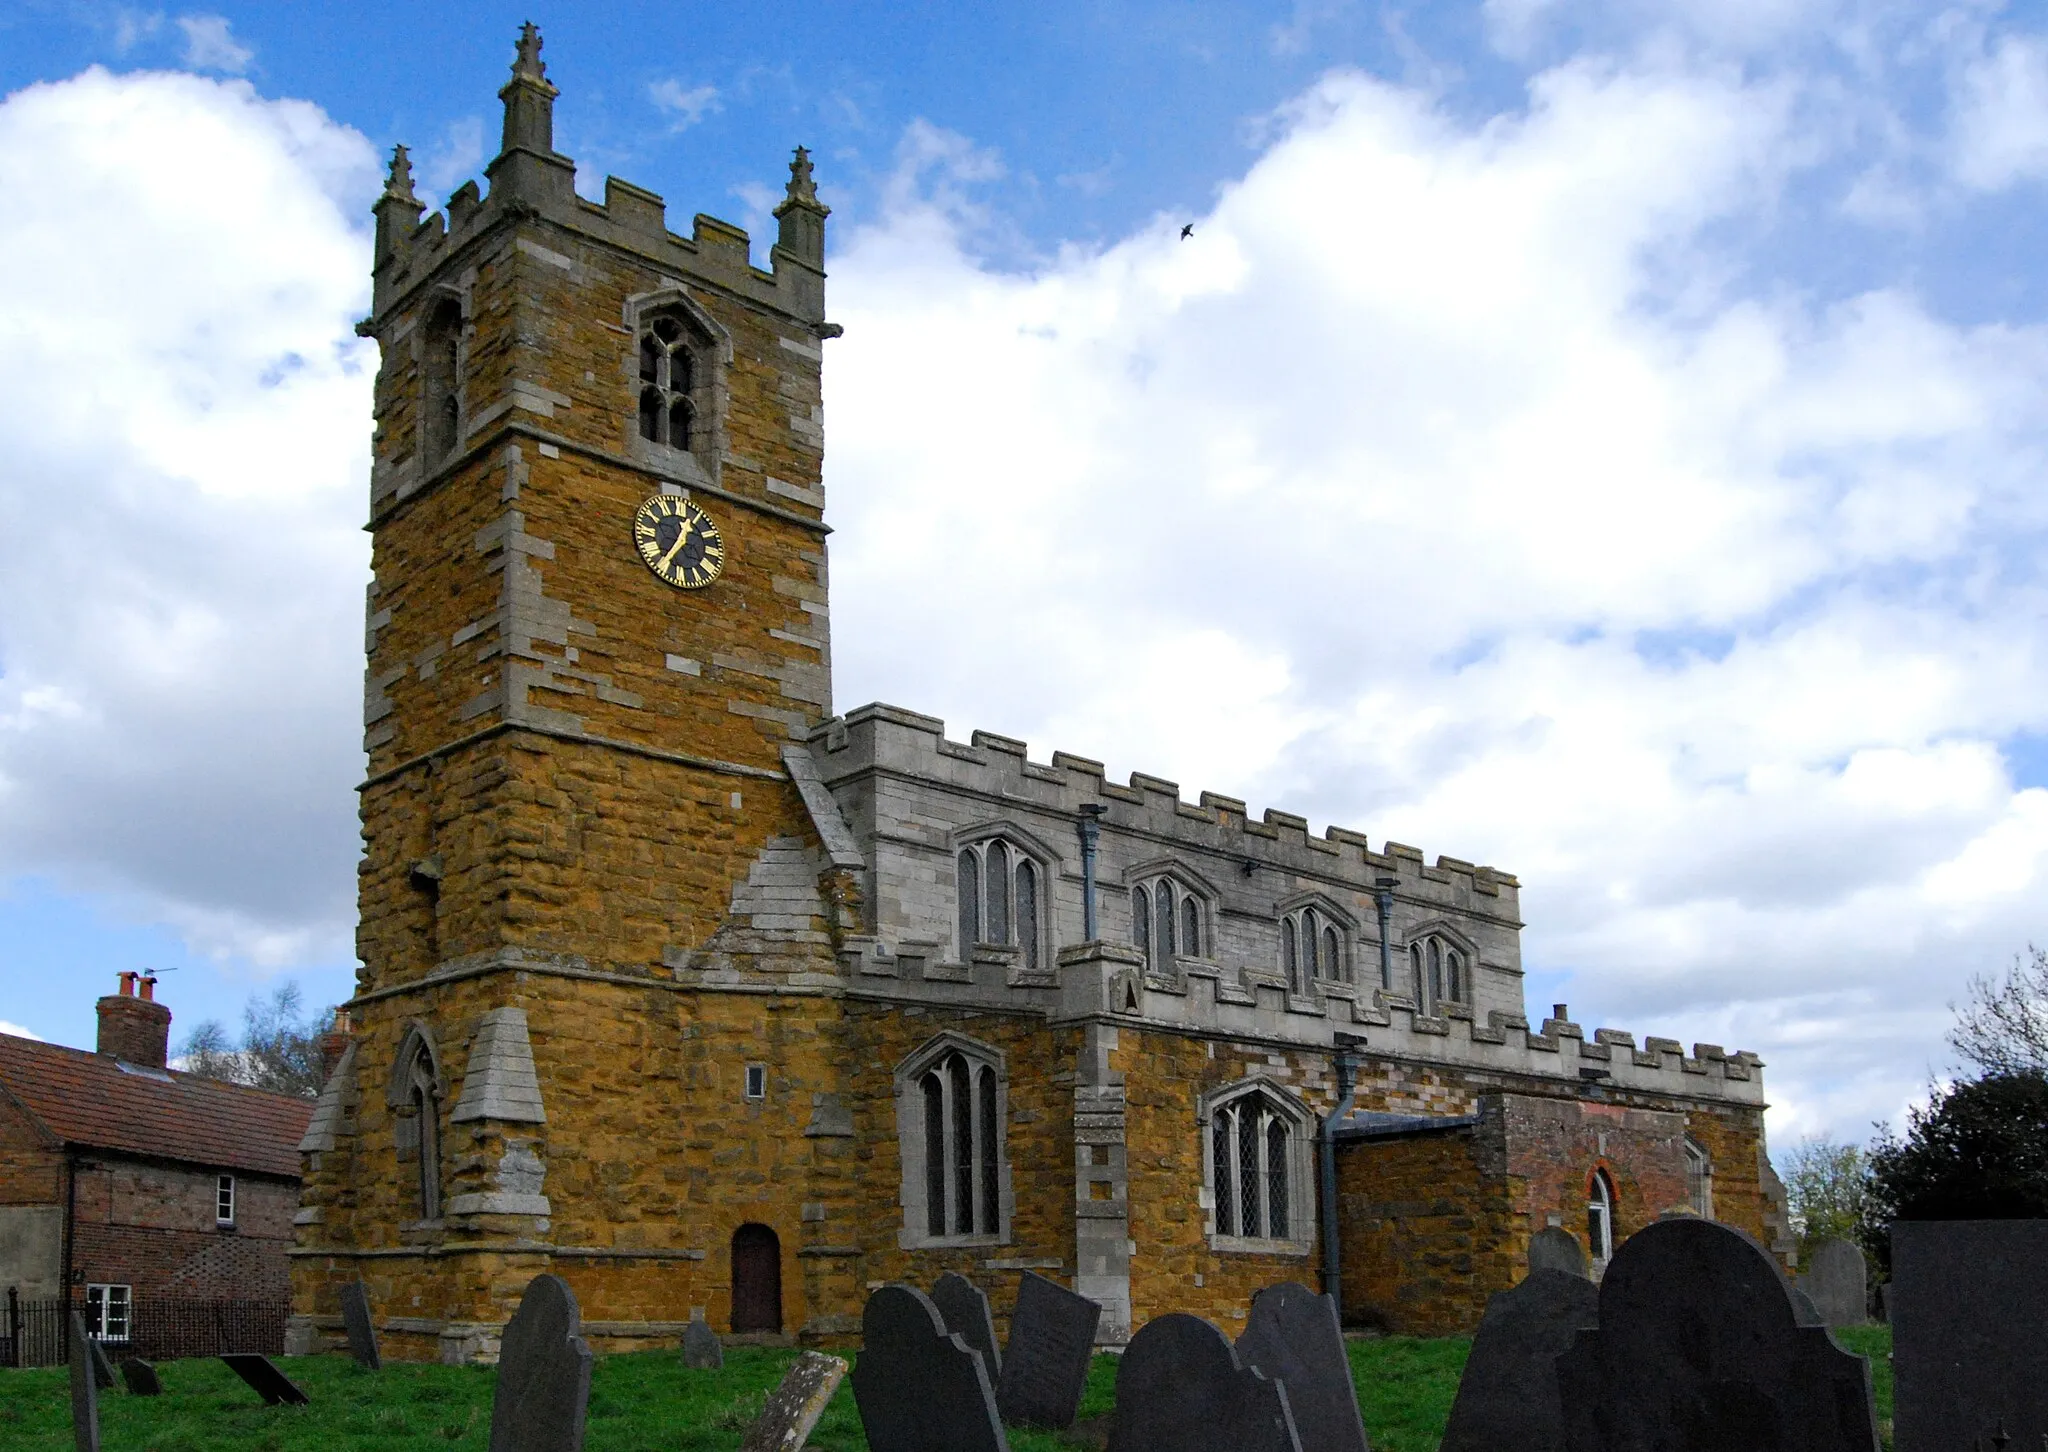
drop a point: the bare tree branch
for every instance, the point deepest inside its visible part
(2003, 1029)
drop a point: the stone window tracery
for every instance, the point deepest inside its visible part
(997, 887)
(1442, 972)
(668, 383)
(1167, 922)
(1256, 1161)
(1311, 950)
(415, 1098)
(950, 1119)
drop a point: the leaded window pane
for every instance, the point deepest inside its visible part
(1162, 935)
(1454, 976)
(1289, 965)
(1248, 1175)
(985, 1092)
(1333, 958)
(1310, 943)
(967, 886)
(1141, 922)
(1191, 927)
(998, 893)
(1276, 1178)
(962, 1146)
(1027, 912)
(1436, 974)
(1220, 1171)
(934, 1154)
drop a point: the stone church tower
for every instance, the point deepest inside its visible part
(597, 625)
(713, 1002)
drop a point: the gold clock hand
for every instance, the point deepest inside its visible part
(682, 538)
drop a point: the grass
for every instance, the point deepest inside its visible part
(644, 1402)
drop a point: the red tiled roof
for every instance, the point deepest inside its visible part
(89, 1099)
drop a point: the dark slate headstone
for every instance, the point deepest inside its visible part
(1967, 1350)
(102, 1366)
(1181, 1388)
(1699, 1346)
(1558, 1250)
(919, 1387)
(1045, 1361)
(702, 1350)
(965, 1309)
(1839, 1283)
(1507, 1397)
(85, 1391)
(1293, 1338)
(265, 1379)
(543, 1373)
(141, 1378)
(362, 1332)
(795, 1405)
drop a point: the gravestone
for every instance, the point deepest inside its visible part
(1839, 1283)
(1045, 1361)
(1967, 1352)
(1181, 1388)
(265, 1379)
(1293, 1338)
(702, 1350)
(362, 1332)
(543, 1373)
(1507, 1397)
(102, 1367)
(141, 1378)
(965, 1309)
(920, 1388)
(1699, 1346)
(1558, 1250)
(85, 1391)
(795, 1405)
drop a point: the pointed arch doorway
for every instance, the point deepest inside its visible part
(756, 1279)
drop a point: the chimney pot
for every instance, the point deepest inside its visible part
(136, 1030)
(128, 984)
(1561, 1012)
(148, 987)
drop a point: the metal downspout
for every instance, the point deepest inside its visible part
(70, 1234)
(1090, 828)
(1347, 1087)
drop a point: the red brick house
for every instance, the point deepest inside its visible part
(131, 1182)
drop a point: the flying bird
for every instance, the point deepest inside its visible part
(1187, 230)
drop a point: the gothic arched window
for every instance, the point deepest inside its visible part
(1166, 923)
(1600, 1219)
(415, 1099)
(1257, 1163)
(950, 1118)
(441, 383)
(1311, 950)
(1441, 972)
(668, 383)
(1699, 1180)
(998, 890)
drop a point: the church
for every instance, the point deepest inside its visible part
(719, 1004)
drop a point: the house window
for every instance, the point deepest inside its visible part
(224, 1200)
(1600, 1219)
(950, 1115)
(1257, 1168)
(998, 889)
(668, 384)
(1699, 1180)
(441, 382)
(1440, 971)
(757, 1081)
(1166, 922)
(107, 1312)
(1311, 951)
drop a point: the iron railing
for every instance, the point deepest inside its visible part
(37, 1333)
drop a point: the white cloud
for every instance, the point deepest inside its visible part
(210, 45)
(18, 1031)
(455, 158)
(187, 416)
(2000, 125)
(684, 107)
(1429, 490)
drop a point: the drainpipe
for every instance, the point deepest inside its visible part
(1347, 1086)
(1383, 897)
(1090, 828)
(70, 1234)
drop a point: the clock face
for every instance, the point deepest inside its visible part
(678, 541)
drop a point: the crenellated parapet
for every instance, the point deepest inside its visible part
(916, 801)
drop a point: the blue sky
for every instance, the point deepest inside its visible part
(1627, 416)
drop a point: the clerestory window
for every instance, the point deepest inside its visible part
(999, 890)
(1256, 1160)
(1166, 922)
(951, 1109)
(1441, 971)
(1312, 951)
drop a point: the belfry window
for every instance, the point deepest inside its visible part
(416, 1098)
(1441, 971)
(441, 383)
(1257, 1167)
(668, 377)
(950, 1125)
(998, 900)
(1311, 951)
(1166, 923)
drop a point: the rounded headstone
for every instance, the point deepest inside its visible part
(920, 1388)
(1181, 1388)
(1507, 1397)
(1557, 1250)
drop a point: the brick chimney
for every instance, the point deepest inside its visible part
(134, 1027)
(333, 1042)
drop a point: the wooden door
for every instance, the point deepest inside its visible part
(756, 1279)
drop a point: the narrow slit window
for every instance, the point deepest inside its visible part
(968, 887)
(963, 1146)
(1027, 913)
(224, 1200)
(934, 1153)
(1220, 1161)
(985, 1093)
(998, 878)
(1141, 922)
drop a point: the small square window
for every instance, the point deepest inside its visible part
(224, 1201)
(757, 1081)
(106, 1312)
